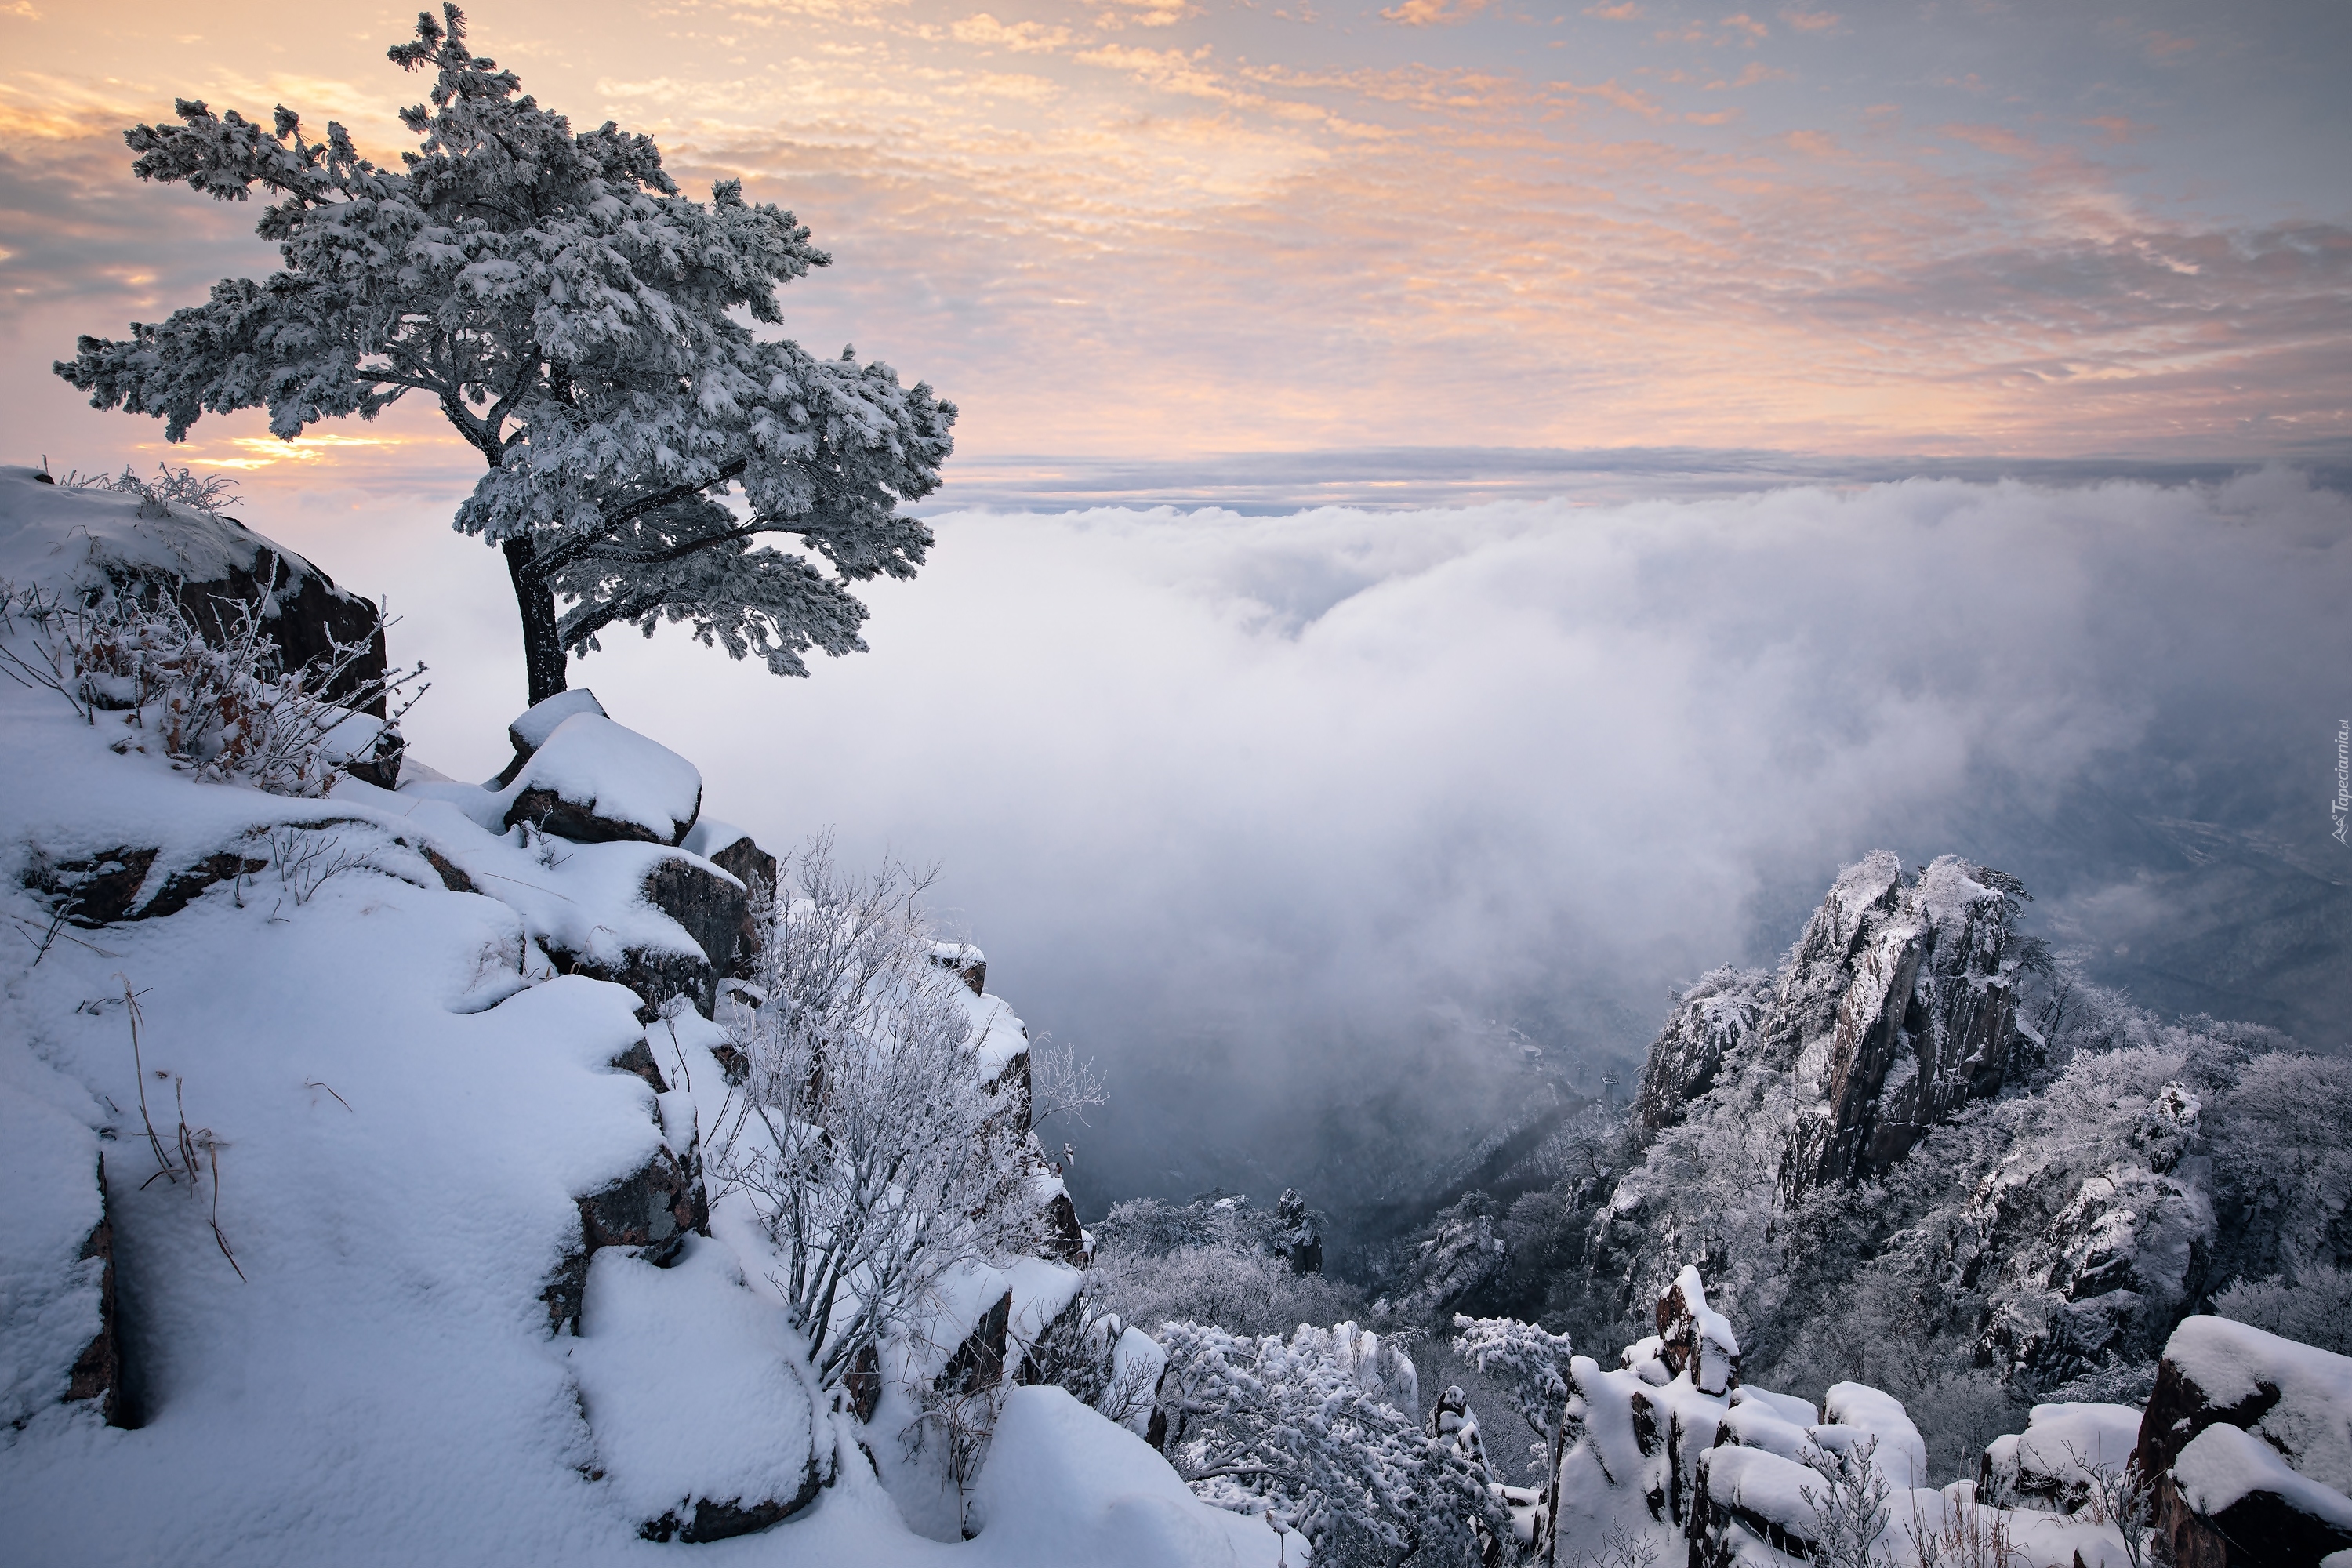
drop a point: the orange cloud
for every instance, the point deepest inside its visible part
(1434, 13)
(2118, 129)
(1810, 21)
(1021, 37)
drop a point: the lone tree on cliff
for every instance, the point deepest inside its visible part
(568, 311)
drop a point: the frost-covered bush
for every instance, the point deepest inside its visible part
(169, 486)
(873, 1151)
(1318, 1429)
(1531, 1364)
(221, 706)
(1248, 1292)
(2313, 1305)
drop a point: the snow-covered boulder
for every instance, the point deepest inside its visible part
(71, 540)
(2049, 1466)
(735, 852)
(1694, 1338)
(592, 781)
(529, 729)
(704, 1421)
(2249, 1437)
(1065, 1488)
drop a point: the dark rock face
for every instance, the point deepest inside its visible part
(654, 976)
(551, 814)
(304, 614)
(97, 1371)
(754, 868)
(863, 1383)
(1715, 1018)
(709, 1520)
(2263, 1529)
(1302, 1238)
(714, 909)
(979, 1361)
(710, 906)
(1066, 1239)
(106, 887)
(651, 1210)
(1917, 984)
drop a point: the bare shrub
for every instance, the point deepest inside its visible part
(223, 707)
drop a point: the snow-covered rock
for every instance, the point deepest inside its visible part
(1694, 1338)
(1064, 1488)
(1655, 1464)
(2049, 1465)
(592, 781)
(704, 1424)
(56, 1265)
(70, 540)
(1713, 1019)
(2249, 1437)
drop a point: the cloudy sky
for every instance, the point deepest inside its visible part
(1615, 330)
(1186, 227)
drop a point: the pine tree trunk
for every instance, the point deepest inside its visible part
(542, 650)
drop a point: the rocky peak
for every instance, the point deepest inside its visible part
(1895, 1007)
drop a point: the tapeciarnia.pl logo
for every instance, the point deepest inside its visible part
(2341, 806)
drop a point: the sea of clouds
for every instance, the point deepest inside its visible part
(1291, 821)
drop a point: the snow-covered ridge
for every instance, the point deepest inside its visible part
(420, 1265)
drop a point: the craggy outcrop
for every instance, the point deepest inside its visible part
(1924, 1019)
(1714, 1019)
(1694, 1339)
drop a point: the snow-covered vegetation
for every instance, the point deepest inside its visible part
(379, 1181)
(578, 323)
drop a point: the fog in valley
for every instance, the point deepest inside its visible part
(1305, 827)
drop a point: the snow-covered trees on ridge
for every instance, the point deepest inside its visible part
(568, 311)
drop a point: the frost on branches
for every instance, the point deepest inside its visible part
(1299, 1428)
(874, 1151)
(569, 312)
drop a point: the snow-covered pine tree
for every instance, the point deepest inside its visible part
(569, 312)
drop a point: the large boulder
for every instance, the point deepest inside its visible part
(735, 852)
(2249, 1438)
(530, 728)
(72, 540)
(2051, 1465)
(703, 1428)
(593, 781)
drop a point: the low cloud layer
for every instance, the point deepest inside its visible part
(1286, 820)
